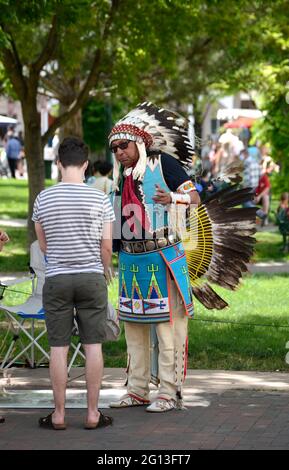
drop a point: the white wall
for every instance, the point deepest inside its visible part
(12, 109)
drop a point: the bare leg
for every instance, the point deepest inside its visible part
(93, 375)
(266, 203)
(58, 376)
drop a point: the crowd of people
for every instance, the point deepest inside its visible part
(98, 175)
(254, 163)
(12, 155)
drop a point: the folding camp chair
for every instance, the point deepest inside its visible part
(26, 317)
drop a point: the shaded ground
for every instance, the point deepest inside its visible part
(225, 410)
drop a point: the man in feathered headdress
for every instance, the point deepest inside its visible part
(150, 146)
(157, 277)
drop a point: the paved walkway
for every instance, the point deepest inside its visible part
(13, 223)
(225, 410)
(270, 267)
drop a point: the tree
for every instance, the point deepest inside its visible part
(171, 51)
(67, 48)
(32, 33)
(274, 88)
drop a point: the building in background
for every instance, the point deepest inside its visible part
(226, 112)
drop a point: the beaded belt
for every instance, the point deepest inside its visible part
(147, 245)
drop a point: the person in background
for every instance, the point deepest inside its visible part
(284, 203)
(89, 173)
(102, 177)
(263, 192)
(252, 170)
(283, 220)
(231, 148)
(13, 149)
(21, 159)
(215, 155)
(254, 152)
(208, 186)
(3, 239)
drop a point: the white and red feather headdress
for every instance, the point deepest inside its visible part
(156, 129)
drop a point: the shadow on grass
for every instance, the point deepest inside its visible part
(14, 263)
(14, 257)
(269, 247)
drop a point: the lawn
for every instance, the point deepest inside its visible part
(14, 197)
(14, 257)
(252, 341)
(269, 247)
(259, 306)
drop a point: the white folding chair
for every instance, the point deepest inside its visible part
(26, 317)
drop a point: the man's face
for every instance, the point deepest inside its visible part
(126, 156)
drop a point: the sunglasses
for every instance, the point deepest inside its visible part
(122, 146)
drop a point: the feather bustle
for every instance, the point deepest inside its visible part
(225, 243)
(209, 298)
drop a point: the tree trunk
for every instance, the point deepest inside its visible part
(73, 127)
(34, 158)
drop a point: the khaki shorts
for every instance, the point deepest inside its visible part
(84, 292)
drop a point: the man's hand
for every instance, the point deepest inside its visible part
(161, 196)
(109, 275)
(195, 198)
(41, 237)
(3, 239)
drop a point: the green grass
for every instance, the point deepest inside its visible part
(261, 300)
(269, 247)
(14, 198)
(14, 204)
(14, 256)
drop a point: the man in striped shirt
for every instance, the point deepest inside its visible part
(73, 227)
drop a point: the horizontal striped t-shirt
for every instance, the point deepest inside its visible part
(72, 217)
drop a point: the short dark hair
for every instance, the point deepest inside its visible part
(72, 152)
(104, 168)
(95, 166)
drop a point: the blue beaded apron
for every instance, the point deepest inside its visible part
(144, 295)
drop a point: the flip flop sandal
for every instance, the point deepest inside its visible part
(47, 423)
(102, 422)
